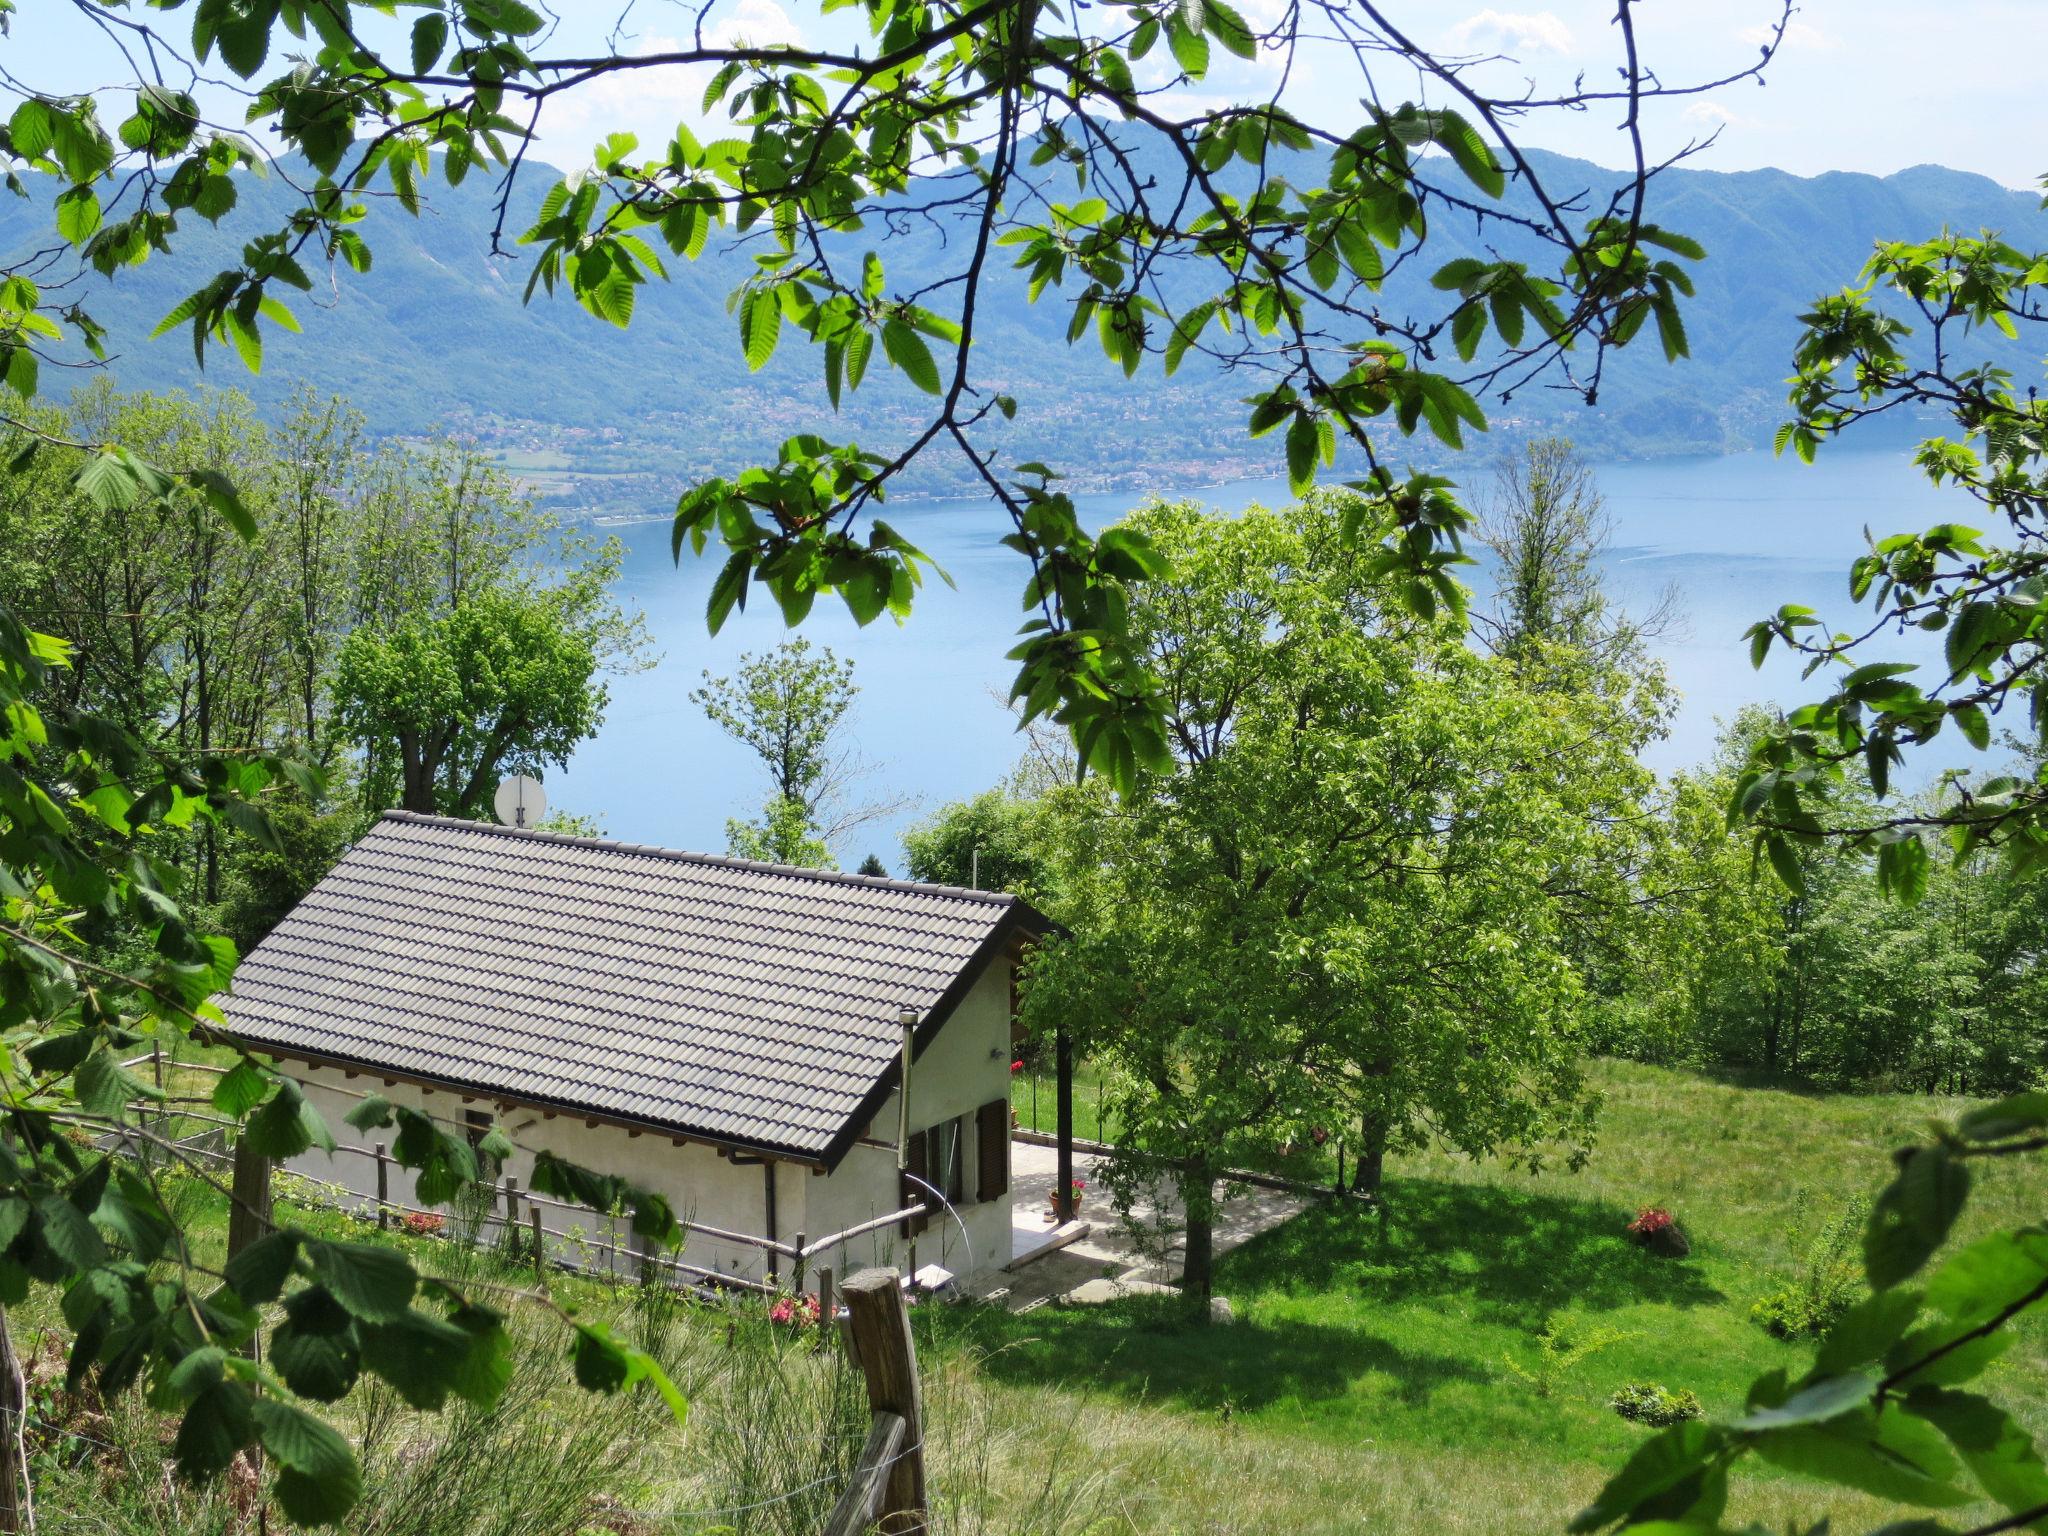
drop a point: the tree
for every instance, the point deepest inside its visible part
(1167, 225)
(994, 842)
(445, 706)
(1351, 903)
(873, 866)
(1547, 526)
(783, 835)
(1855, 360)
(249, 1355)
(789, 708)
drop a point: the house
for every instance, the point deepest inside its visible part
(726, 1033)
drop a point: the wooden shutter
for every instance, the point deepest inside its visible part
(994, 1169)
(915, 1194)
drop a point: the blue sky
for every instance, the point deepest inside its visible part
(1862, 85)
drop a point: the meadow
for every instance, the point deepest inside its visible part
(1440, 1365)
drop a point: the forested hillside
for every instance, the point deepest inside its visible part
(437, 335)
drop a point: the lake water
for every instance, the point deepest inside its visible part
(1737, 536)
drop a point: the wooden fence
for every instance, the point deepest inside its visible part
(503, 1214)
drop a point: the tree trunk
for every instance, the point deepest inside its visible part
(1372, 1155)
(17, 1507)
(1198, 1200)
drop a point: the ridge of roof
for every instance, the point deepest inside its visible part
(718, 861)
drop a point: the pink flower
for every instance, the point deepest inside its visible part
(1016, 1066)
(1651, 1218)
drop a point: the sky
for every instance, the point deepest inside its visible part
(1861, 85)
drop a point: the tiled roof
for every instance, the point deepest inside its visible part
(737, 1002)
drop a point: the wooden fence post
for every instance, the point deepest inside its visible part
(511, 1208)
(533, 1217)
(796, 1267)
(383, 1190)
(827, 1304)
(17, 1510)
(879, 1323)
(249, 1214)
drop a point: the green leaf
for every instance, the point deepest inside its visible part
(314, 1349)
(240, 1089)
(424, 1357)
(216, 1426)
(302, 1442)
(907, 350)
(309, 1500)
(1828, 1398)
(429, 38)
(287, 1125)
(70, 1236)
(374, 1282)
(1913, 1215)
(760, 326)
(1888, 1455)
(1661, 1465)
(1999, 1454)
(258, 1273)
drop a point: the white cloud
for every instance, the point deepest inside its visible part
(1513, 32)
(1712, 114)
(763, 23)
(1798, 34)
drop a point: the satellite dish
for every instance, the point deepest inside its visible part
(520, 801)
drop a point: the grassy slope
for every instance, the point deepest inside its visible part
(1396, 1336)
(1363, 1389)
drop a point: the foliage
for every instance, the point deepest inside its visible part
(1980, 590)
(1829, 1284)
(1648, 1402)
(1830, 983)
(789, 707)
(783, 835)
(1337, 911)
(267, 879)
(994, 842)
(973, 119)
(82, 804)
(1564, 1344)
(1547, 526)
(448, 704)
(1883, 1408)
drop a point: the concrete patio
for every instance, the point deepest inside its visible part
(1106, 1262)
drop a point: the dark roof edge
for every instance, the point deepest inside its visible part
(562, 1107)
(650, 850)
(1020, 915)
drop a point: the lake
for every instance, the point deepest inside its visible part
(1737, 536)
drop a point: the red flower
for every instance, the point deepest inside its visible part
(1016, 1066)
(1651, 1218)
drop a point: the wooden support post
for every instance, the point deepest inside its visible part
(1063, 1186)
(796, 1266)
(539, 1251)
(828, 1304)
(383, 1190)
(879, 1325)
(511, 1206)
(249, 1214)
(773, 1234)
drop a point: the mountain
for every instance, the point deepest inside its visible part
(436, 337)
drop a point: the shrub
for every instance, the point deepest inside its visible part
(1646, 1402)
(1657, 1230)
(1828, 1286)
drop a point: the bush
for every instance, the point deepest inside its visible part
(1645, 1402)
(1831, 1283)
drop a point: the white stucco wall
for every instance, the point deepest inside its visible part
(965, 1066)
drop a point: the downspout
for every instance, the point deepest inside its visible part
(773, 1234)
(908, 1019)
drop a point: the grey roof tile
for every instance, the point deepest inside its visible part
(745, 1002)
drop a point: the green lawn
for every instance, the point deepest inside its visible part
(1365, 1387)
(1404, 1329)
